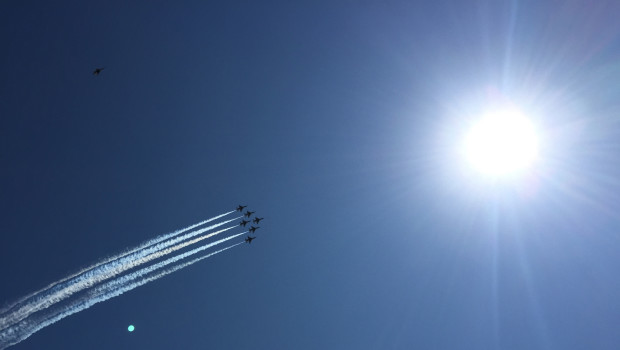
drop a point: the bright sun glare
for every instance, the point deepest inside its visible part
(502, 142)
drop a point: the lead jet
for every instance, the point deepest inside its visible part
(240, 207)
(243, 223)
(252, 228)
(249, 239)
(249, 213)
(257, 220)
(97, 71)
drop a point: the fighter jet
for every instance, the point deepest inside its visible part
(240, 207)
(97, 71)
(249, 239)
(257, 220)
(249, 213)
(252, 228)
(243, 223)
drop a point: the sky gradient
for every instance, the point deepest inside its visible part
(340, 123)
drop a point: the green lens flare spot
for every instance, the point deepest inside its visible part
(131, 328)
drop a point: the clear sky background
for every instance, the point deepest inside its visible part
(340, 122)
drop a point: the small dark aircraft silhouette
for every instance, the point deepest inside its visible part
(249, 213)
(240, 207)
(252, 228)
(249, 239)
(97, 71)
(243, 223)
(257, 220)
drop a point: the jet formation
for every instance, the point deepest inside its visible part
(244, 222)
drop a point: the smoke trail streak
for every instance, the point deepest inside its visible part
(112, 258)
(96, 275)
(115, 271)
(119, 282)
(111, 289)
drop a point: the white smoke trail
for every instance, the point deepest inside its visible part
(96, 275)
(117, 270)
(111, 289)
(119, 282)
(112, 258)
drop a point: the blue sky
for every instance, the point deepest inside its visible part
(339, 122)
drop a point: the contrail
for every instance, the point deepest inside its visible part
(111, 289)
(99, 274)
(142, 246)
(119, 282)
(114, 271)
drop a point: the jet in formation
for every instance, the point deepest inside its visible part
(97, 71)
(244, 222)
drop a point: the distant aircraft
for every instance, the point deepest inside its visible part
(249, 213)
(257, 220)
(252, 228)
(243, 223)
(240, 207)
(249, 239)
(98, 70)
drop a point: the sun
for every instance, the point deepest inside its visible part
(501, 142)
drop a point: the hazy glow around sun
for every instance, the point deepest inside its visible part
(502, 142)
